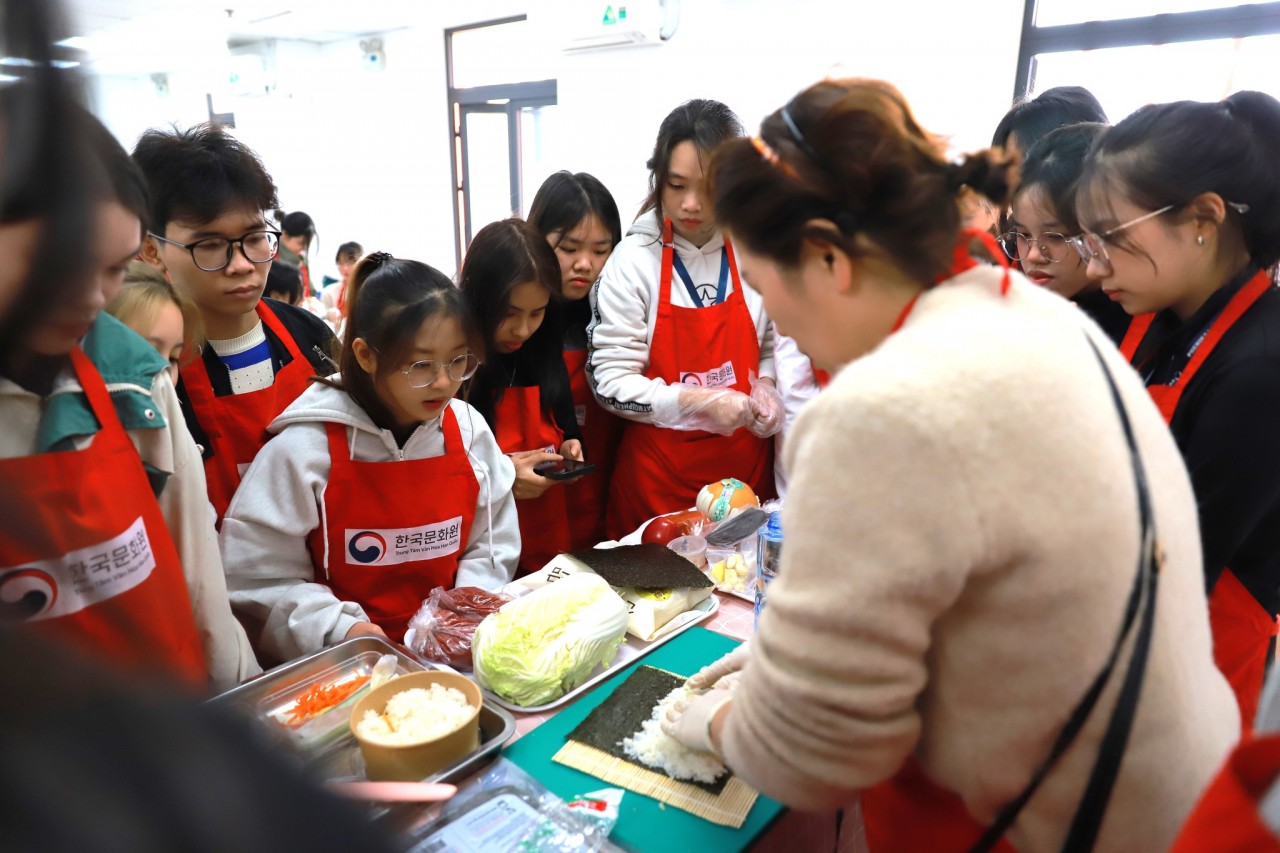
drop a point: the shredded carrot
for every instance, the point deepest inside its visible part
(321, 698)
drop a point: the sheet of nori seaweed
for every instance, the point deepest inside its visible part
(624, 713)
(647, 566)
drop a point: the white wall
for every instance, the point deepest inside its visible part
(129, 104)
(367, 154)
(954, 66)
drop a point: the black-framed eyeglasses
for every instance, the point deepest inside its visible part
(214, 253)
(423, 373)
(1053, 246)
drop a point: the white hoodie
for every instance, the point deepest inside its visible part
(623, 313)
(797, 385)
(270, 576)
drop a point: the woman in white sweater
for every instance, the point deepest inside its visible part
(961, 525)
(676, 345)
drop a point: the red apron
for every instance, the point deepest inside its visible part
(662, 470)
(393, 531)
(237, 424)
(87, 554)
(544, 521)
(909, 812)
(820, 376)
(1242, 628)
(1134, 334)
(585, 498)
(1226, 819)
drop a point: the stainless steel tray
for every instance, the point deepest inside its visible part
(338, 756)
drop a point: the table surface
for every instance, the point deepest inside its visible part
(794, 830)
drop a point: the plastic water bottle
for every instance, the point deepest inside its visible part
(768, 558)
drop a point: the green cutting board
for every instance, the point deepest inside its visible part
(644, 824)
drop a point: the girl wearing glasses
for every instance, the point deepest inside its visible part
(579, 218)
(379, 485)
(970, 466)
(1042, 221)
(1181, 206)
(511, 280)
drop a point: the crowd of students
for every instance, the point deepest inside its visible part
(202, 481)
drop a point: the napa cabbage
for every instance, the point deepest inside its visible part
(539, 647)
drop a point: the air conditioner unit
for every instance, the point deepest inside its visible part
(597, 24)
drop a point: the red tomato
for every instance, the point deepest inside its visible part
(661, 530)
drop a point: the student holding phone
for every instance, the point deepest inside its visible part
(579, 218)
(565, 469)
(512, 281)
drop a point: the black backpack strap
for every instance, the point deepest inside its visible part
(1142, 598)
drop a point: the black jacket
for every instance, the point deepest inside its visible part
(314, 339)
(1109, 315)
(1227, 426)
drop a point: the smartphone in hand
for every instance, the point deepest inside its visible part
(563, 469)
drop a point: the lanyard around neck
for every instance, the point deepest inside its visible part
(721, 290)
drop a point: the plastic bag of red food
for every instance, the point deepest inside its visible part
(442, 629)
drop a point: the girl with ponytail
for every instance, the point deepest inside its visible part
(1180, 204)
(961, 521)
(379, 485)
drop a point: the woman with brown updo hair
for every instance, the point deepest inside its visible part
(968, 630)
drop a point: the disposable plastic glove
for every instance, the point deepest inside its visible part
(730, 664)
(689, 720)
(722, 411)
(766, 403)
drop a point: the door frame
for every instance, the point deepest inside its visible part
(508, 98)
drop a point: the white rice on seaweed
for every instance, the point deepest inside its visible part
(653, 747)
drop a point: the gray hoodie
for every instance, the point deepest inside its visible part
(270, 576)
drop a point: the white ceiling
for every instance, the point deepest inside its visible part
(150, 36)
(306, 20)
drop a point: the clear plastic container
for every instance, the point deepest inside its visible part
(768, 559)
(692, 548)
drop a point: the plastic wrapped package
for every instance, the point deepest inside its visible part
(445, 624)
(504, 809)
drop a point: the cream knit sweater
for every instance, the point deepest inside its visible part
(961, 535)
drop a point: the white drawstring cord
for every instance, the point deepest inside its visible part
(488, 489)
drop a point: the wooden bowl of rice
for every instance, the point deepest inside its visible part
(417, 724)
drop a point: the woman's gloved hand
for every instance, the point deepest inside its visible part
(722, 411)
(730, 664)
(689, 720)
(766, 403)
